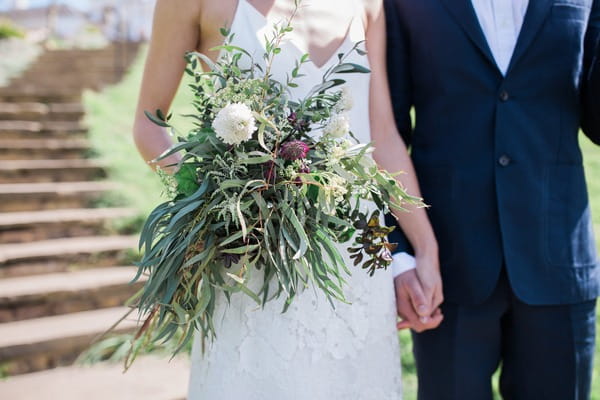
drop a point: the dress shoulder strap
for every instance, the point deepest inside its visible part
(357, 29)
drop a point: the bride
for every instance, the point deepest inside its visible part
(312, 351)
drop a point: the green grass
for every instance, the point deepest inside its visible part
(10, 30)
(592, 164)
(17, 54)
(110, 116)
(110, 119)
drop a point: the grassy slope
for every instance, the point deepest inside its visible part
(17, 54)
(110, 119)
(592, 163)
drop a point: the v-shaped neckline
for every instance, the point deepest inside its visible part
(293, 43)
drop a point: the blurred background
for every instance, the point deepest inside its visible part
(73, 195)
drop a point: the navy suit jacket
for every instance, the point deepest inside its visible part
(497, 157)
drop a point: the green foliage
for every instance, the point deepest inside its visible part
(187, 179)
(592, 167)
(117, 348)
(257, 190)
(10, 30)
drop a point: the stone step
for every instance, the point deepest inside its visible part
(42, 343)
(84, 69)
(58, 255)
(74, 78)
(29, 111)
(68, 170)
(41, 130)
(68, 86)
(42, 149)
(28, 226)
(60, 54)
(50, 195)
(150, 378)
(65, 292)
(36, 94)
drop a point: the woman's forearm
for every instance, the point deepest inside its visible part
(415, 223)
(152, 141)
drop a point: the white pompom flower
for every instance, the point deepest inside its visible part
(338, 125)
(234, 124)
(346, 101)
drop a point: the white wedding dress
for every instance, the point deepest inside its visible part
(311, 352)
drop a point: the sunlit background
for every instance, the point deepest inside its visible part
(73, 193)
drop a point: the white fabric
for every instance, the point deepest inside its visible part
(312, 352)
(501, 22)
(401, 263)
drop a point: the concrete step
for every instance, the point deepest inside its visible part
(150, 378)
(67, 82)
(50, 195)
(42, 149)
(65, 292)
(42, 343)
(41, 130)
(86, 69)
(36, 94)
(71, 86)
(58, 255)
(29, 111)
(29, 226)
(68, 170)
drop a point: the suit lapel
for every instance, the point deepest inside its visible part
(537, 11)
(464, 14)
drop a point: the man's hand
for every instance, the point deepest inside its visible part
(419, 295)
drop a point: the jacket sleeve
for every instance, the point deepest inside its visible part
(398, 67)
(591, 79)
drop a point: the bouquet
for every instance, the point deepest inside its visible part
(265, 184)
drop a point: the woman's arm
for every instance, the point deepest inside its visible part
(175, 31)
(391, 154)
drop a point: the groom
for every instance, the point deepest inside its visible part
(500, 89)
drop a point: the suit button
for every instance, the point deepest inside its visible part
(504, 160)
(504, 96)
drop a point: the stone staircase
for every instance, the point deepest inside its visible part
(62, 275)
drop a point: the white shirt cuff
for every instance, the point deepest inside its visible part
(401, 263)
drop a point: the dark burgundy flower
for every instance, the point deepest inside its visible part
(294, 150)
(293, 118)
(230, 259)
(303, 126)
(300, 125)
(305, 169)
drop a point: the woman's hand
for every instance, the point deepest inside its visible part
(419, 295)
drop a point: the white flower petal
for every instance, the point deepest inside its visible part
(234, 124)
(338, 126)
